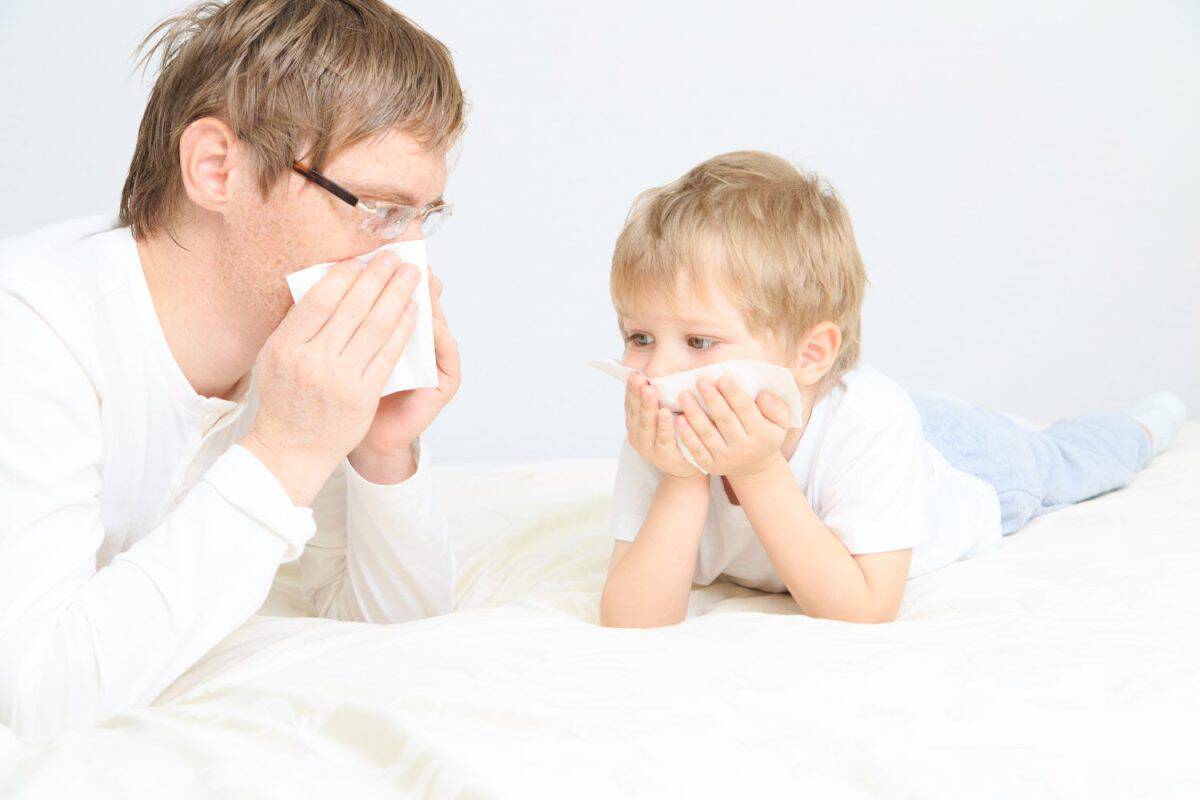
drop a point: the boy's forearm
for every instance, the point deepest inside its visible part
(819, 572)
(650, 586)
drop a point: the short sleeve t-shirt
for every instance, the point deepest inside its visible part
(869, 474)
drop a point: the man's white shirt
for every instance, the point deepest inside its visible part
(135, 533)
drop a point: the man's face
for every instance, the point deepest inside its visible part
(299, 223)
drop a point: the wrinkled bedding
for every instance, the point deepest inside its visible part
(1066, 664)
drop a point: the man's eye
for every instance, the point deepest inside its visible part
(701, 343)
(638, 339)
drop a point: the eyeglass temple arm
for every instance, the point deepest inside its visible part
(326, 184)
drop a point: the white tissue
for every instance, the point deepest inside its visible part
(752, 376)
(417, 367)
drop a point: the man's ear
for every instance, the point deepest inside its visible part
(817, 352)
(207, 156)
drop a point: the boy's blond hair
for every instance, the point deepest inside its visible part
(287, 76)
(779, 240)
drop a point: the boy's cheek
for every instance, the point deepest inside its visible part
(635, 360)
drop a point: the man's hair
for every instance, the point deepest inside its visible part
(778, 240)
(294, 79)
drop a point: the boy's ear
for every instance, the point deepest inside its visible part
(207, 155)
(817, 352)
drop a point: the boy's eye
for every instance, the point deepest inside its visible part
(638, 339)
(701, 343)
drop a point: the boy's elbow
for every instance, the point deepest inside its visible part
(880, 616)
(863, 615)
(612, 615)
(610, 621)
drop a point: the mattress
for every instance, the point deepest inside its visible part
(1067, 663)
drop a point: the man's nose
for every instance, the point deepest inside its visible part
(411, 232)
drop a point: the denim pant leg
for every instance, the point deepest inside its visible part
(1035, 471)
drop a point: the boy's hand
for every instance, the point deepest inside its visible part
(738, 436)
(652, 429)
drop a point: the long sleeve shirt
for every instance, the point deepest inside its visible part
(135, 533)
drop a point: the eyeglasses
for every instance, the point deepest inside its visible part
(386, 220)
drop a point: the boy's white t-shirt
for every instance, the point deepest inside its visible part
(869, 474)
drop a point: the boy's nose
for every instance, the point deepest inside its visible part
(663, 364)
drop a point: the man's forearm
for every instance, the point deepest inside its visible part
(92, 643)
(819, 572)
(382, 552)
(651, 585)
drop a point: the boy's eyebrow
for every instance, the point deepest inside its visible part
(688, 323)
(704, 323)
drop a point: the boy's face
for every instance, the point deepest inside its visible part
(695, 328)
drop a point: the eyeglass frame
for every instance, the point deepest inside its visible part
(377, 210)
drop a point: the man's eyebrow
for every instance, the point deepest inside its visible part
(388, 193)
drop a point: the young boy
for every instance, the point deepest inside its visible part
(744, 257)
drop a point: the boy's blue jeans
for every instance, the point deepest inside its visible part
(1035, 471)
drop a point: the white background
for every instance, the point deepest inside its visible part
(1024, 180)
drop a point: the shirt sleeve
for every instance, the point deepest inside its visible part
(381, 552)
(77, 642)
(633, 493)
(878, 499)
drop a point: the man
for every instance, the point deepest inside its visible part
(173, 428)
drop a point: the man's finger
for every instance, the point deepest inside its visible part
(381, 320)
(314, 309)
(446, 355)
(435, 292)
(359, 300)
(384, 361)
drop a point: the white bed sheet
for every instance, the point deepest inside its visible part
(1067, 664)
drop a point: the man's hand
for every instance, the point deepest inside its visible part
(738, 436)
(651, 429)
(320, 373)
(385, 454)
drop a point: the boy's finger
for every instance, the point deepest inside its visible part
(633, 399)
(632, 393)
(664, 436)
(720, 412)
(774, 409)
(700, 423)
(742, 404)
(648, 416)
(692, 442)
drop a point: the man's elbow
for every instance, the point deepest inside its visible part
(34, 695)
